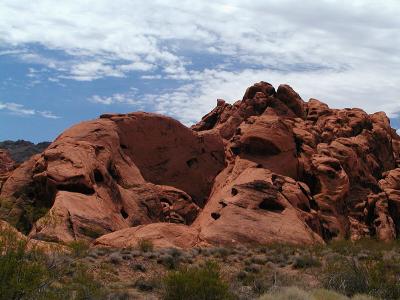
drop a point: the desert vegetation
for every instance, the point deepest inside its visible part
(366, 269)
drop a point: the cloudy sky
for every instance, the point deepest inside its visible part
(62, 62)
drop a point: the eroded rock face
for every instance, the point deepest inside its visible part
(7, 164)
(250, 204)
(268, 168)
(343, 161)
(112, 173)
(163, 235)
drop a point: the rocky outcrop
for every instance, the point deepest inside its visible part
(268, 168)
(337, 157)
(7, 164)
(21, 150)
(112, 173)
(163, 235)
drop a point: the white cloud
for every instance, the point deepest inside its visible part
(17, 109)
(21, 110)
(92, 70)
(127, 98)
(47, 114)
(339, 89)
(328, 33)
(344, 52)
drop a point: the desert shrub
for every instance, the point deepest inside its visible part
(139, 267)
(346, 276)
(28, 273)
(383, 278)
(150, 255)
(258, 259)
(120, 295)
(373, 277)
(305, 261)
(279, 259)
(288, 293)
(221, 252)
(115, 258)
(147, 284)
(20, 275)
(295, 293)
(175, 252)
(169, 261)
(79, 248)
(373, 246)
(265, 280)
(78, 284)
(145, 245)
(362, 297)
(323, 294)
(196, 283)
(252, 268)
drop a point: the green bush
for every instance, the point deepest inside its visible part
(383, 279)
(20, 276)
(145, 245)
(346, 276)
(169, 261)
(79, 248)
(80, 284)
(28, 273)
(373, 277)
(305, 261)
(196, 283)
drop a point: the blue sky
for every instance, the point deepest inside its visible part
(62, 62)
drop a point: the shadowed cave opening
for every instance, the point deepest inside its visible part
(258, 146)
(76, 188)
(271, 205)
(98, 177)
(124, 213)
(215, 215)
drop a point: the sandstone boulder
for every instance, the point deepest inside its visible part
(108, 174)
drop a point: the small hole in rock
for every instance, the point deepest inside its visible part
(124, 213)
(165, 200)
(112, 170)
(223, 203)
(234, 192)
(235, 150)
(98, 177)
(271, 205)
(215, 215)
(192, 162)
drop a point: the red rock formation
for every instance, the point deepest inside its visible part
(112, 173)
(336, 156)
(7, 164)
(268, 168)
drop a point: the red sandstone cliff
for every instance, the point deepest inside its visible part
(269, 168)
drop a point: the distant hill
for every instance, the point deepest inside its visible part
(22, 150)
